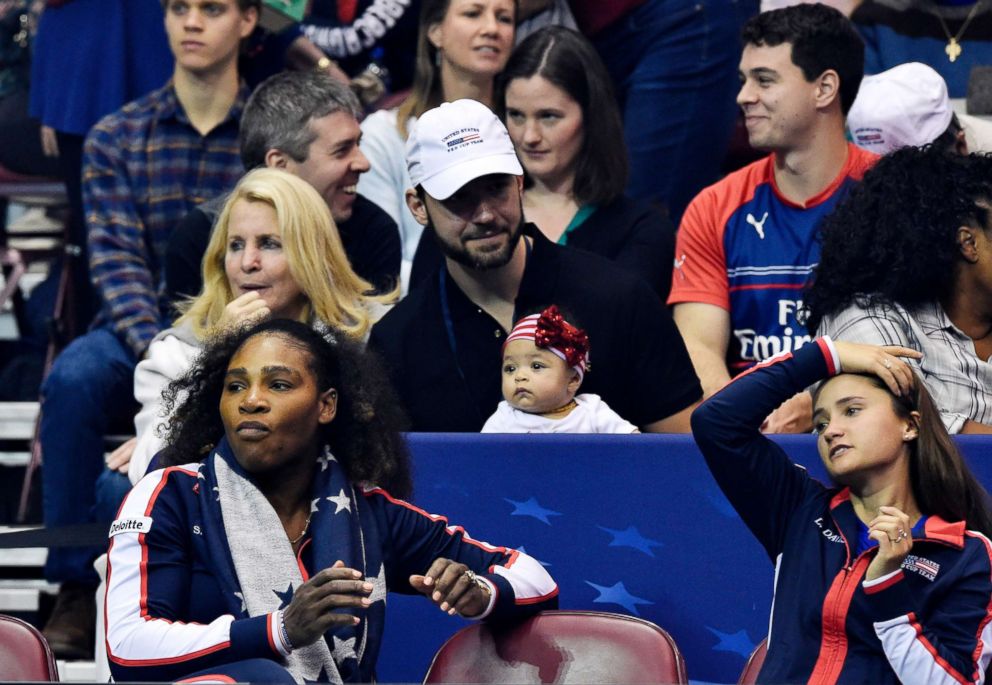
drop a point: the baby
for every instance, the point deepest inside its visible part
(544, 361)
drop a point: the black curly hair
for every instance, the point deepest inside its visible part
(364, 435)
(893, 237)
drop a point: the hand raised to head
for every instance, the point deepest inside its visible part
(882, 361)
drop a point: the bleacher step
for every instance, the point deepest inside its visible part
(23, 595)
(17, 420)
(77, 671)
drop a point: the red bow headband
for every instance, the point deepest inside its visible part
(550, 331)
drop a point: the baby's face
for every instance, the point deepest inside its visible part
(536, 381)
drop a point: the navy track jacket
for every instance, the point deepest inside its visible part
(165, 613)
(928, 622)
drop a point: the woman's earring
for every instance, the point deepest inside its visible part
(437, 58)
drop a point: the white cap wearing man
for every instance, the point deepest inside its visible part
(909, 105)
(442, 343)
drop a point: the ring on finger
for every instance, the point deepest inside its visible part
(902, 535)
(470, 575)
(887, 363)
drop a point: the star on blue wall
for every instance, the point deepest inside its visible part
(524, 551)
(285, 597)
(617, 594)
(531, 508)
(631, 538)
(738, 643)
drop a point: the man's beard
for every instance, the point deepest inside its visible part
(477, 260)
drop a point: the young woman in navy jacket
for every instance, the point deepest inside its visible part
(886, 576)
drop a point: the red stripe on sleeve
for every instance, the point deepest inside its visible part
(827, 356)
(872, 589)
(951, 671)
(537, 600)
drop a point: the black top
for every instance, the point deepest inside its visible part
(370, 238)
(639, 364)
(636, 235)
(381, 32)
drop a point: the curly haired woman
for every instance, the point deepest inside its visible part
(907, 260)
(264, 550)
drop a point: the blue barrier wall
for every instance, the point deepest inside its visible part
(631, 525)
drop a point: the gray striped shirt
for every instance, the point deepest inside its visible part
(959, 381)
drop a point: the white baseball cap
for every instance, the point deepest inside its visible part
(456, 143)
(905, 105)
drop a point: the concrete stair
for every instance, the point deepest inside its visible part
(26, 594)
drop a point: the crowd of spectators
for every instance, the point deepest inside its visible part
(409, 178)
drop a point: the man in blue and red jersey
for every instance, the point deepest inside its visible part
(747, 244)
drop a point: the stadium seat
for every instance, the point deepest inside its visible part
(24, 654)
(561, 647)
(749, 675)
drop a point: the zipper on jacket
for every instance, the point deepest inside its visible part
(833, 641)
(833, 637)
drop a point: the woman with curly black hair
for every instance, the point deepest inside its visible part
(907, 260)
(366, 423)
(264, 549)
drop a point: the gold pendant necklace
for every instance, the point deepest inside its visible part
(953, 47)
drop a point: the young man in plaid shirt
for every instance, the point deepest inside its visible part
(144, 168)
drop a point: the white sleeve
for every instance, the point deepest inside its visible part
(168, 358)
(608, 421)
(387, 180)
(382, 145)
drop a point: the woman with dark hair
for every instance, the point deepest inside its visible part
(563, 118)
(907, 260)
(885, 576)
(265, 548)
(566, 128)
(461, 46)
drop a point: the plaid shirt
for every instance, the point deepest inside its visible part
(144, 168)
(959, 381)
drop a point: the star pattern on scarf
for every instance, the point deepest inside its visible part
(241, 598)
(217, 493)
(378, 585)
(285, 597)
(313, 505)
(344, 649)
(341, 501)
(325, 459)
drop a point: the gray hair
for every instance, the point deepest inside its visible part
(279, 112)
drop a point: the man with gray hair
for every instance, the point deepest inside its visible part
(307, 124)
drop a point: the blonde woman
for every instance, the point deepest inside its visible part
(461, 46)
(275, 253)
